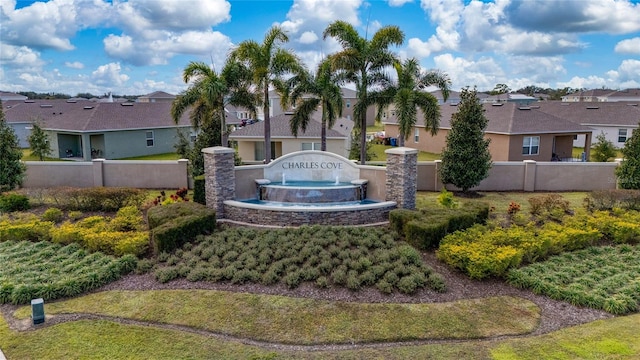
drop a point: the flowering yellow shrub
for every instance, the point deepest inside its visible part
(29, 230)
(117, 242)
(68, 233)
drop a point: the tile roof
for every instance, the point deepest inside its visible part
(594, 113)
(512, 118)
(87, 116)
(280, 128)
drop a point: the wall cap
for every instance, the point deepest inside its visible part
(401, 151)
(218, 150)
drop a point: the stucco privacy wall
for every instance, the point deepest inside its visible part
(160, 174)
(169, 174)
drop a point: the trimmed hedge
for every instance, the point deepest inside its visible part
(426, 228)
(175, 224)
(199, 195)
(97, 198)
(13, 202)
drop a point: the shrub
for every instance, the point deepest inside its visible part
(128, 218)
(97, 198)
(199, 195)
(53, 214)
(446, 199)
(13, 202)
(399, 217)
(181, 229)
(67, 233)
(610, 199)
(548, 204)
(30, 230)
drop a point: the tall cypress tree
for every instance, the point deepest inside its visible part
(11, 169)
(466, 159)
(629, 170)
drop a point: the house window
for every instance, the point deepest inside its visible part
(149, 136)
(416, 134)
(622, 135)
(258, 151)
(348, 103)
(530, 145)
(310, 146)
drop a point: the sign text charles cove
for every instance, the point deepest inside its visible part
(325, 165)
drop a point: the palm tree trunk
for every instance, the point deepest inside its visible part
(363, 119)
(223, 129)
(267, 125)
(323, 131)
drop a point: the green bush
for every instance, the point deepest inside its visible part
(424, 235)
(53, 214)
(97, 198)
(399, 217)
(611, 199)
(199, 195)
(174, 233)
(159, 215)
(13, 202)
(31, 230)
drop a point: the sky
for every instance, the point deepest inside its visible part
(137, 47)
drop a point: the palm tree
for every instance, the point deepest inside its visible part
(365, 59)
(211, 91)
(407, 95)
(268, 62)
(306, 92)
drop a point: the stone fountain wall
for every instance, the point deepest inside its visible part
(400, 186)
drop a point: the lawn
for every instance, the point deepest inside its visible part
(165, 156)
(379, 155)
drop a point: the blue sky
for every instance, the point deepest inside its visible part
(139, 46)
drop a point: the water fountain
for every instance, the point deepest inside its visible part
(309, 187)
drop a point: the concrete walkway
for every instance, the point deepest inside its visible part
(2, 355)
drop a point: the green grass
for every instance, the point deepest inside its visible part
(165, 156)
(500, 200)
(576, 152)
(26, 156)
(614, 338)
(379, 155)
(281, 319)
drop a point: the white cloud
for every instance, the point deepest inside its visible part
(20, 57)
(109, 75)
(308, 37)
(610, 16)
(74, 64)
(397, 3)
(484, 73)
(625, 76)
(628, 46)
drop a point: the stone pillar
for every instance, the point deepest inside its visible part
(220, 177)
(402, 176)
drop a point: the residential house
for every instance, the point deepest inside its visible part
(156, 96)
(250, 139)
(521, 99)
(616, 120)
(516, 132)
(594, 95)
(86, 130)
(9, 96)
(349, 99)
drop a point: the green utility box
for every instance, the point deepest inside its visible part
(37, 311)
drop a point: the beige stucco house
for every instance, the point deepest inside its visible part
(250, 138)
(516, 132)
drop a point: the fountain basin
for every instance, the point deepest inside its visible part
(311, 192)
(279, 214)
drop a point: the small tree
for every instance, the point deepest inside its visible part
(603, 150)
(629, 170)
(466, 159)
(39, 141)
(11, 169)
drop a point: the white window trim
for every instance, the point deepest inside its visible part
(626, 135)
(152, 138)
(314, 146)
(531, 145)
(416, 135)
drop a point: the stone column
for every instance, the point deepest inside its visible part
(220, 177)
(402, 176)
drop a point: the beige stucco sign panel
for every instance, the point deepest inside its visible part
(312, 166)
